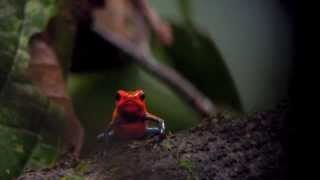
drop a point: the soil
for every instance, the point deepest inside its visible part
(220, 148)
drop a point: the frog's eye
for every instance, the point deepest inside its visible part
(118, 96)
(142, 96)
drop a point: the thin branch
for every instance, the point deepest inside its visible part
(168, 75)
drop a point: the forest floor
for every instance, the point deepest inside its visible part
(252, 147)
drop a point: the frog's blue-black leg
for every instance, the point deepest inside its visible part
(105, 136)
(155, 131)
(150, 131)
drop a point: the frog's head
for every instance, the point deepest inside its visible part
(131, 103)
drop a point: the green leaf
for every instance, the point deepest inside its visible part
(30, 130)
(254, 38)
(11, 16)
(37, 14)
(195, 55)
(42, 154)
(30, 127)
(15, 148)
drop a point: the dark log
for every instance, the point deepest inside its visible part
(247, 148)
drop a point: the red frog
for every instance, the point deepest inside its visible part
(130, 118)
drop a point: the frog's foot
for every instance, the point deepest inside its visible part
(105, 136)
(157, 134)
(136, 144)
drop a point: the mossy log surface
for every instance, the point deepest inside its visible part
(247, 148)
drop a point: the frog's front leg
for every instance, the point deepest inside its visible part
(152, 131)
(105, 136)
(158, 131)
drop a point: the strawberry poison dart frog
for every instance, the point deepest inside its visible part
(130, 118)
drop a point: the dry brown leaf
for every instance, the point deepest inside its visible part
(45, 72)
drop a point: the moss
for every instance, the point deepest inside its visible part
(167, 145)
(43, 155)
(73, 177)
(187, 165)
(82, 167)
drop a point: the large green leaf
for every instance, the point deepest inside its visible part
(29, 125)
(254, 38)
(195, 55)
(30, 129)
(11, 16)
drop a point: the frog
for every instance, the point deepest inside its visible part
(131, 119)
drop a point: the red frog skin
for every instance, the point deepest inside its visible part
(130, 118)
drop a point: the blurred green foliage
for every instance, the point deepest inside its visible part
(255, 39)
(25, 142)
(36, 16)
(193, 54)
(196, 56)
(30, 129)
(28, 123)
(203, 65)
(11, 15)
